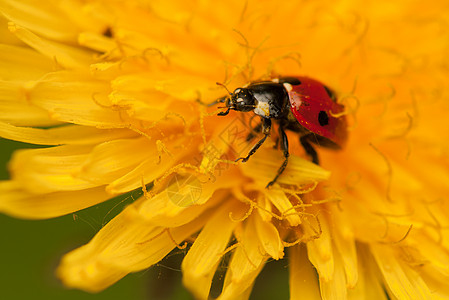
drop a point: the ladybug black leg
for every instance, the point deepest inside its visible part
(305, 142)
(266, 126)
(284, 147)
(253, 132)
(257, 129)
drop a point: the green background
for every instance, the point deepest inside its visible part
(30, 252)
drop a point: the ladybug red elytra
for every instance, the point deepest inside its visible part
(300, 104)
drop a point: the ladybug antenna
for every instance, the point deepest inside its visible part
(221, 84)
(223, 100)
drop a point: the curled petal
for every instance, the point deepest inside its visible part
(126, 244)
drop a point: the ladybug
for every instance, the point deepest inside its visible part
(299, 104)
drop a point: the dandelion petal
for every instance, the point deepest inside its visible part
(20, 203)
(303, 277)
(246, 263)
(124, 245)
(402, 281)
(201, 262)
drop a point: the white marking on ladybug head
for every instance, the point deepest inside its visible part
(262, 109)
(237, 91)
(239, 100)
(288, 87)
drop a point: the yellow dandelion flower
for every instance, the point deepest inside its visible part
(112, 87)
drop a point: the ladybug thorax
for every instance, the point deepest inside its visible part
(271, 100)
(262, 109)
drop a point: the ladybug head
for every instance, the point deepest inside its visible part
(241, 100)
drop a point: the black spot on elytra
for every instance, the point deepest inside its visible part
(323, 118)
